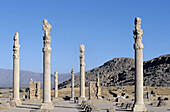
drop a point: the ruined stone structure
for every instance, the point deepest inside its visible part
(16, 74)
(47, 104)
(82, 74)
(138, 46)
(34, 90)
(98, 87)
(94, 89)
(56, 84)
(72, 84)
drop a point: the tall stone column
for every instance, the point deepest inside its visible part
(16, 73)
(72, 84)
(138, 46)
(56, 84)
(38, 90)
(82, 74)
(98, 87)
(46, 66)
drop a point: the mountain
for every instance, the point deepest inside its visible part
(121, 71)
(25, 76)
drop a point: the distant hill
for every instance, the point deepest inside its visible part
(120, 71)
(25, 76)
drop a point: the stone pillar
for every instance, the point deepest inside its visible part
(82, 74)
(38, 90)
(56, 84)
(72, 84)
(46, 66)
(138, 46)
(16, 72)
(98, 87)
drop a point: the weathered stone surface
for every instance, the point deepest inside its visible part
(129, 106)
(94, 89)
(72, 84)
(110, 110)
(12, 103)
(47, 106)
(119, 99)
(47, 67)
(95, 109)
(138, 46)
(16, 72)
(118, 104)
(43, 110)
(56, 84)
(82, 74)
(34, 90)
(4, 106)
(155, 103)
(162, 103)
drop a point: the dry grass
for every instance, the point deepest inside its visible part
(104, 91)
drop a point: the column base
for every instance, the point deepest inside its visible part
(72, 99)
(99, 98)
(139, 108)
(47, 106)
(80, 99)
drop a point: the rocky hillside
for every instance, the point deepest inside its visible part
(120, 71)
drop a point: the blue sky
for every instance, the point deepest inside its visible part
(105, 27)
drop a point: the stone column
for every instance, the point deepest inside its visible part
(138, 46)
(98, 87)
(72, 84)
(56, 84)
(46, 66)
(38, 90)
(82, 74)
(16, 73)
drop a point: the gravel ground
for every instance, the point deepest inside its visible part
(69, 106)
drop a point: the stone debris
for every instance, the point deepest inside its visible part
(162, 103)
(110, 110)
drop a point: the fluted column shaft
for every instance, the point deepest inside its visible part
(56, 84)
(72, 84)
(82, 71)
(16, 67)
(138, 46)
(139, 76)
(46, 63)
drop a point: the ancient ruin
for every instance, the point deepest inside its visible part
(95, 89)
(111, 85)
(82, 74)
(47, 104)
(138, 46)
(72, 84)
(34, 90)
(55, 84)
(16, 74)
